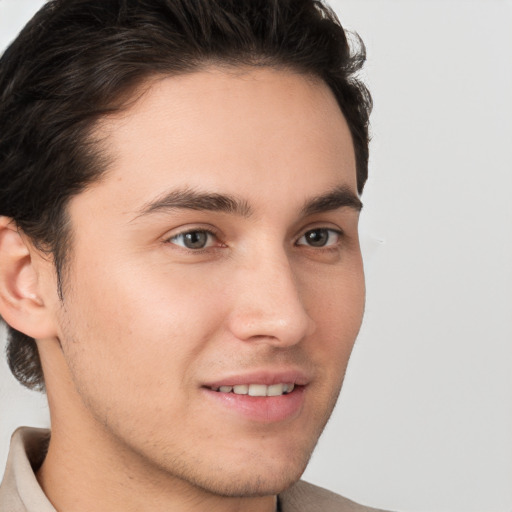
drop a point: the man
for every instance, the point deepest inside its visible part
(179, 254)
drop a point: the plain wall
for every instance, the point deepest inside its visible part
(425, 418)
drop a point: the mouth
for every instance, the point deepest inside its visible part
(262, 398)
(260, 390)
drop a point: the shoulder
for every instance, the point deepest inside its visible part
(305, 497)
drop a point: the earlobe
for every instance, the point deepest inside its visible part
(22, 305)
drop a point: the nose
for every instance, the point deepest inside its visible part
(267, 303)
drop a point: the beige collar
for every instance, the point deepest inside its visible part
(20, 490)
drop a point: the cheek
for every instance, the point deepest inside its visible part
(148, 326)
(336, 296)
(336, 304)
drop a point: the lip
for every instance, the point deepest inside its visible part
(258, 409)
(266, 377)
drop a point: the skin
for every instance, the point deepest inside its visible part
(146, 322)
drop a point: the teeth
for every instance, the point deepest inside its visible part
(289, 388)
(275, 389)
(257, 389)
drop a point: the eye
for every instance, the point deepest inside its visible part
(197, 239)
(320, 237)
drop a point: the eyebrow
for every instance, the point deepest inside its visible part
(339, 197)
(194, 200)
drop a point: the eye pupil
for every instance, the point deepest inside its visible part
(195, 239)
(317, 237)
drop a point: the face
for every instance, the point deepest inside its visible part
(216, 288)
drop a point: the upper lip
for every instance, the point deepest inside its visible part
(266, 377)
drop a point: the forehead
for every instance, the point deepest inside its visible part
(228, 130)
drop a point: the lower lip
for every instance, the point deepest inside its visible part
(263, 409)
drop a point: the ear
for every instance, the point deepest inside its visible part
(22, 303)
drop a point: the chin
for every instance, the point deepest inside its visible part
(252, 485)
(255, 477)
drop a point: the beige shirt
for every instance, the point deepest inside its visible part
(20, 491)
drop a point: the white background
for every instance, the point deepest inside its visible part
(425, 418)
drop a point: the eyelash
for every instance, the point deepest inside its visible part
(330, 231)
(210, 233)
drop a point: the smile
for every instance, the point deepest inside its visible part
(257, 389)
(259, 403)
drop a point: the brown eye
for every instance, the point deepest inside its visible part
(321, 237)
(193, 239)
